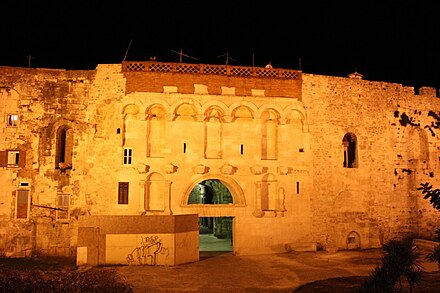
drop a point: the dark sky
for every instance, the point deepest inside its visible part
(393, 41)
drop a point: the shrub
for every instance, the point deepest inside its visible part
(399, 262)
(434, 256)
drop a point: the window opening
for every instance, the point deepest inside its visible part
(22, 204)
(211, 191)
(123, 193)
(64, 148)
(12, 120)
(241, 149)
(349, 143)
(63, 206)
(13, 158)
(297, 187)
(184, 148)
(128, 156)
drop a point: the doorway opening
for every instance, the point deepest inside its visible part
(215, 234)
(211, 191)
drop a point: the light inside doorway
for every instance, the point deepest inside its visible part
(211, 191)
(215, 234)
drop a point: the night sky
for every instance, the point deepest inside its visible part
(392, 41)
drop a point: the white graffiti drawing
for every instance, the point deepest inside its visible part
(148, 252)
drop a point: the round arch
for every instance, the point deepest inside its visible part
(251, 106)
(269, 107)
(215, 104)
(130, 109)
(233, 187)
(195, 105)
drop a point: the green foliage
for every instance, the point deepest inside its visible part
(399, 262)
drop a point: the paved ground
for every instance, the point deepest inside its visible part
(224, 272)
(220, 271)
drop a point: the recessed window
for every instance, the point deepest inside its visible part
(241, 149)
(12, 120)
(349, 143)
(297, 187)
(22, 204)
(128, 156)
(184, 148)
(123, 193)
(64, 148)
(13, 158)
(63, 206)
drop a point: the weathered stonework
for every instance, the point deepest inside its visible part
(73, 142)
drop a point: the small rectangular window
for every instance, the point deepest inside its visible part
(12, 120)
(297, 187)
(123, 193)
(22, 206)
(63, 206)
(184, 148)
(13, 158)
(128, 156)
(241, 149)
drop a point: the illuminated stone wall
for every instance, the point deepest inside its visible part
(276, 144)
(378, 199)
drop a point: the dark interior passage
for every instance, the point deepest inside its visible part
(215, 233)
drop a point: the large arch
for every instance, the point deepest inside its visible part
(235, 189)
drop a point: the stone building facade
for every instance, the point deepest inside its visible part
(304, 161)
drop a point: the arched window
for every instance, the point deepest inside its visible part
(155, 131)
(64, 148)
(185, 112)
(243, 119)
(213, 135)
(154, 193)
(349, 143)
(269, 139)
(211, 191)
(269, 194)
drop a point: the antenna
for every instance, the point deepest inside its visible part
(227, 57)
(29, 59)
(126, 52)
(182, 55)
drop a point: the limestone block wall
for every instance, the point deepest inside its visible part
(161, 178)
(43, 198)
(138, 240)
(111, 142)
(372, 202)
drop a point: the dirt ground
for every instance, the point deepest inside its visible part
(215, 272)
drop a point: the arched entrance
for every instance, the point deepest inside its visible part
(215, 233)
